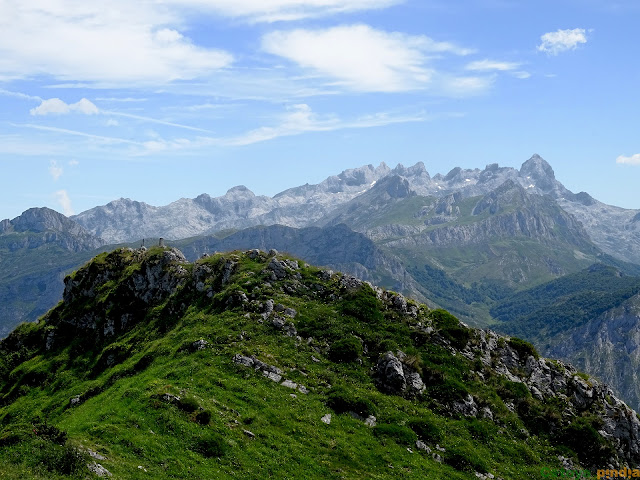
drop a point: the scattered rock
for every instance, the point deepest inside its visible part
(420, 445)
(199, 345)
(74, 401)
(289, 384)
(249, 434)
(98, 469)
(467, 407)
(272, 376)
(326, 419)
(302, 389)
(370, 421)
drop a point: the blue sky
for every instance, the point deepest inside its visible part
(157, 100)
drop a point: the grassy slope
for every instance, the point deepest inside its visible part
(122, 417)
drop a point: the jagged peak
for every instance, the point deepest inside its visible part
(416, 170)
(537, 167)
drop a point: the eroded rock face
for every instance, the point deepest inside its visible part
(547, 379)
(397, 378)
(151, 278)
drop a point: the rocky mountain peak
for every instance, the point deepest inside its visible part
(44, 219)
(537, 168)
(239, 192)
(396, 186)
(417, 170)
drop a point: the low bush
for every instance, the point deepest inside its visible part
(340, 401)
(425, 429)
(211, 445)
(465, 459)
(399, 433)
(345, 350)
(204, 417)
(450, 328)
(188, 404)
(582, 436)
(523, 348)
(364, 305)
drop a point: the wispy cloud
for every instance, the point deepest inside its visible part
(76, 133)
(297, 120)
(155, 120)
(63, 199)
(360, 57)
(55, 170)
(284, 10)
(24, 96)
(491, 65)
(58, 107)
(560, 41)
(632, 160)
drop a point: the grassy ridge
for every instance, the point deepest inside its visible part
(154, 405)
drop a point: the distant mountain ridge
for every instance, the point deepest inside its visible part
(615, 230)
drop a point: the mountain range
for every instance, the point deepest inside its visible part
(472, 241)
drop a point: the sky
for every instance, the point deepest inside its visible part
(156, 100)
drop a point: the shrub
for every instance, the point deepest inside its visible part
(345, 350)
(340, 401)
(425, 429)
(523, 348)
(450, 328)
(513, 390)
(582, 436)
(188, 404)
(62, 459)
(398, 433)
(210, 445)
(449, 391)
(363, 305)
(204, 417)
(465, 460)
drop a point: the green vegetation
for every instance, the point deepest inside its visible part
(568, 302)
(158, 394)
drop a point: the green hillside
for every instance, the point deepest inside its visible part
(255, 365)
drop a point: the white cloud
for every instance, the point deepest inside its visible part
(554, 43)
(491, 65)
(361, 58)
(62, 197)
(522, 75)
(127, 43)
(632, 160)
(74, 163)
(57, 106)
(112, 122)
(55, 170)
(284, 10)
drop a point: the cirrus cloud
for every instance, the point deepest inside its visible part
(560, 41)
(490, 65)
(284, 10)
